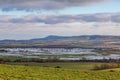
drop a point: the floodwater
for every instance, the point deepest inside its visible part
(44, 53)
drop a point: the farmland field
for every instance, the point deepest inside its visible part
(21, 72)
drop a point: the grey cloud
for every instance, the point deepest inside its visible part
(31, 30)
(56, 19)
(8, 5)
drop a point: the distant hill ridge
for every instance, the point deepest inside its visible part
(54, 37)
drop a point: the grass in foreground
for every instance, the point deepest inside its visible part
(65, 65)
(19, 72)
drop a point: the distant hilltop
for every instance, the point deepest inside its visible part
(65, 41)
(55, 37)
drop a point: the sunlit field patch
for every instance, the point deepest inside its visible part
(17, 72)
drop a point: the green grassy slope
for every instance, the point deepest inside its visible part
(17, 72)
(66, 65)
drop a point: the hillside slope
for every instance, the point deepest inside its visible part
(85, 41)
(12, 72)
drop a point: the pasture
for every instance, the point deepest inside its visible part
(37, 72)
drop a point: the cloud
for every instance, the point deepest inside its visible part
(33, 30)
(8, 5)
(56, 19)
(35, 26)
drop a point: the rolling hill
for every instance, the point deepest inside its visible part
(17, 72)
(85, 41)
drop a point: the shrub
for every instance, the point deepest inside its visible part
(106, 66)
(57, 67)
(112, 70)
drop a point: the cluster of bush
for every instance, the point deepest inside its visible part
(107, 66)
(21, 59)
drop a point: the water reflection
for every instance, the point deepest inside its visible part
(61, 53)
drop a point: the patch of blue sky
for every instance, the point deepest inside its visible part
(104, 7)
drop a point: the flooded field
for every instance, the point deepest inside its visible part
(59, 53)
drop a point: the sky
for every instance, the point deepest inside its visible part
(28, 19)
